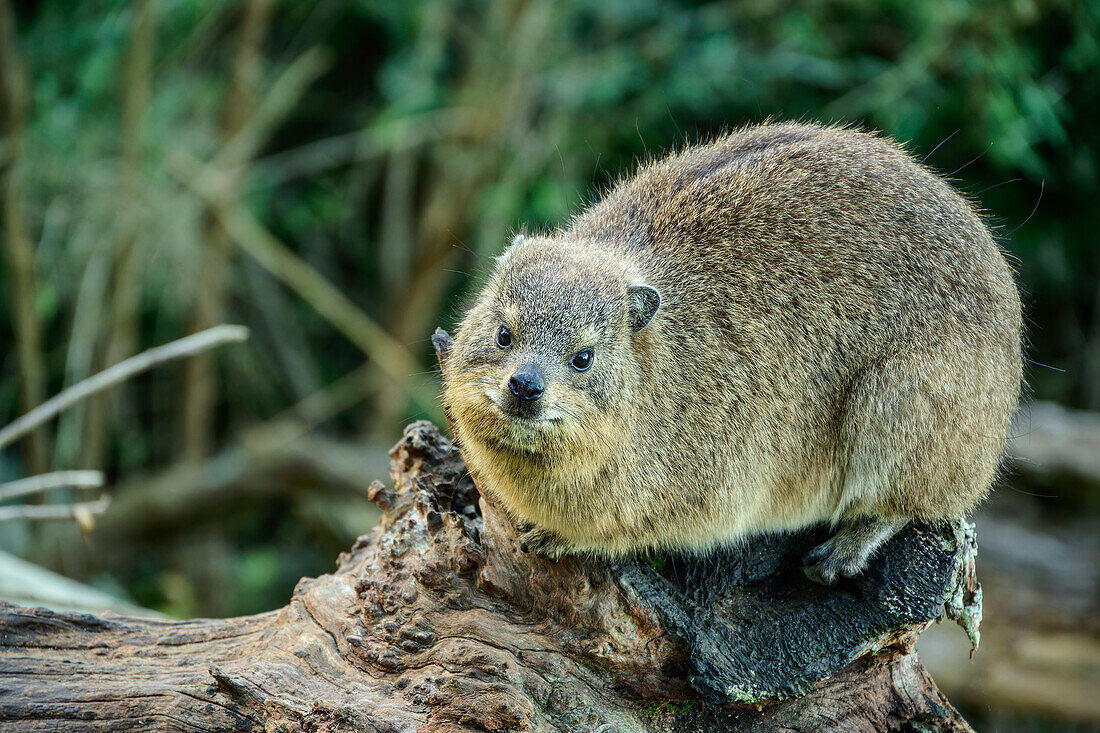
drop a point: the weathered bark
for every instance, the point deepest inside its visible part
(437, 620)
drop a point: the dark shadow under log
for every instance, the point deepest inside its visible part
(437, 621)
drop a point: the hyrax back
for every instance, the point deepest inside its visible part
(789, 325)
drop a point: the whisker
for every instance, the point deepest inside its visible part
(1042, 187)
(990, 188)
(964, 165)
(584, 423)
(473, 382)
(956, 132)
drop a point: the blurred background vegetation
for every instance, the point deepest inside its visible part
(335, 174)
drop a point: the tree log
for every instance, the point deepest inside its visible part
(435, 621)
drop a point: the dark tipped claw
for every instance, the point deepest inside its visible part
(818, 554)
(822, 564)
(814, 573)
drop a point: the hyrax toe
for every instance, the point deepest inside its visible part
(819, 553)
(847, 553)
(830, 561)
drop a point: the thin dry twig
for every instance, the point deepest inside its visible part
(53, 480)
(188, 346)
(297, 420)
(41, 512)
(253, 125)
(368, 143)
(250, 235)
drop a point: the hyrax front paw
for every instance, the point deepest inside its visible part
(847, 552)
(542, 542)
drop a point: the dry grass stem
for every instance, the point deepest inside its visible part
(187, 346)
(43, 512)
(278, 259)
(53, 480)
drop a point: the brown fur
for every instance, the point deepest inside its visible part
(838, 338)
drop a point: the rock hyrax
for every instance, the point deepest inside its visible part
(789, 325)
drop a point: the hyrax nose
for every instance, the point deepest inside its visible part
(527, 383)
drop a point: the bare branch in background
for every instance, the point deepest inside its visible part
(1053, 444)
(391, 357)
(297, 420)
(41, 512)
(285, 93)
(54, 480)
(187, 346)
(17, 239)
(393, 136)
(76, 443)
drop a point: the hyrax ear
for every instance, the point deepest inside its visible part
(443, 344)
(643, 303)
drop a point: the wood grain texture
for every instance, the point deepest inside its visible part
(435, 621)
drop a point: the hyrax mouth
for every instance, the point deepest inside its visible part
(523, 412)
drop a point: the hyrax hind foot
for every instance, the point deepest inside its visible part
(541, 542)
(846, 553)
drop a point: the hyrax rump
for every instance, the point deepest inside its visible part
(789, 325)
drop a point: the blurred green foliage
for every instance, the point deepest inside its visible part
(434, 129)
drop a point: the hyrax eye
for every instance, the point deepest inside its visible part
(504, 337)
(582, 360)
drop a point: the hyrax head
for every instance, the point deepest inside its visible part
(546, 354)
